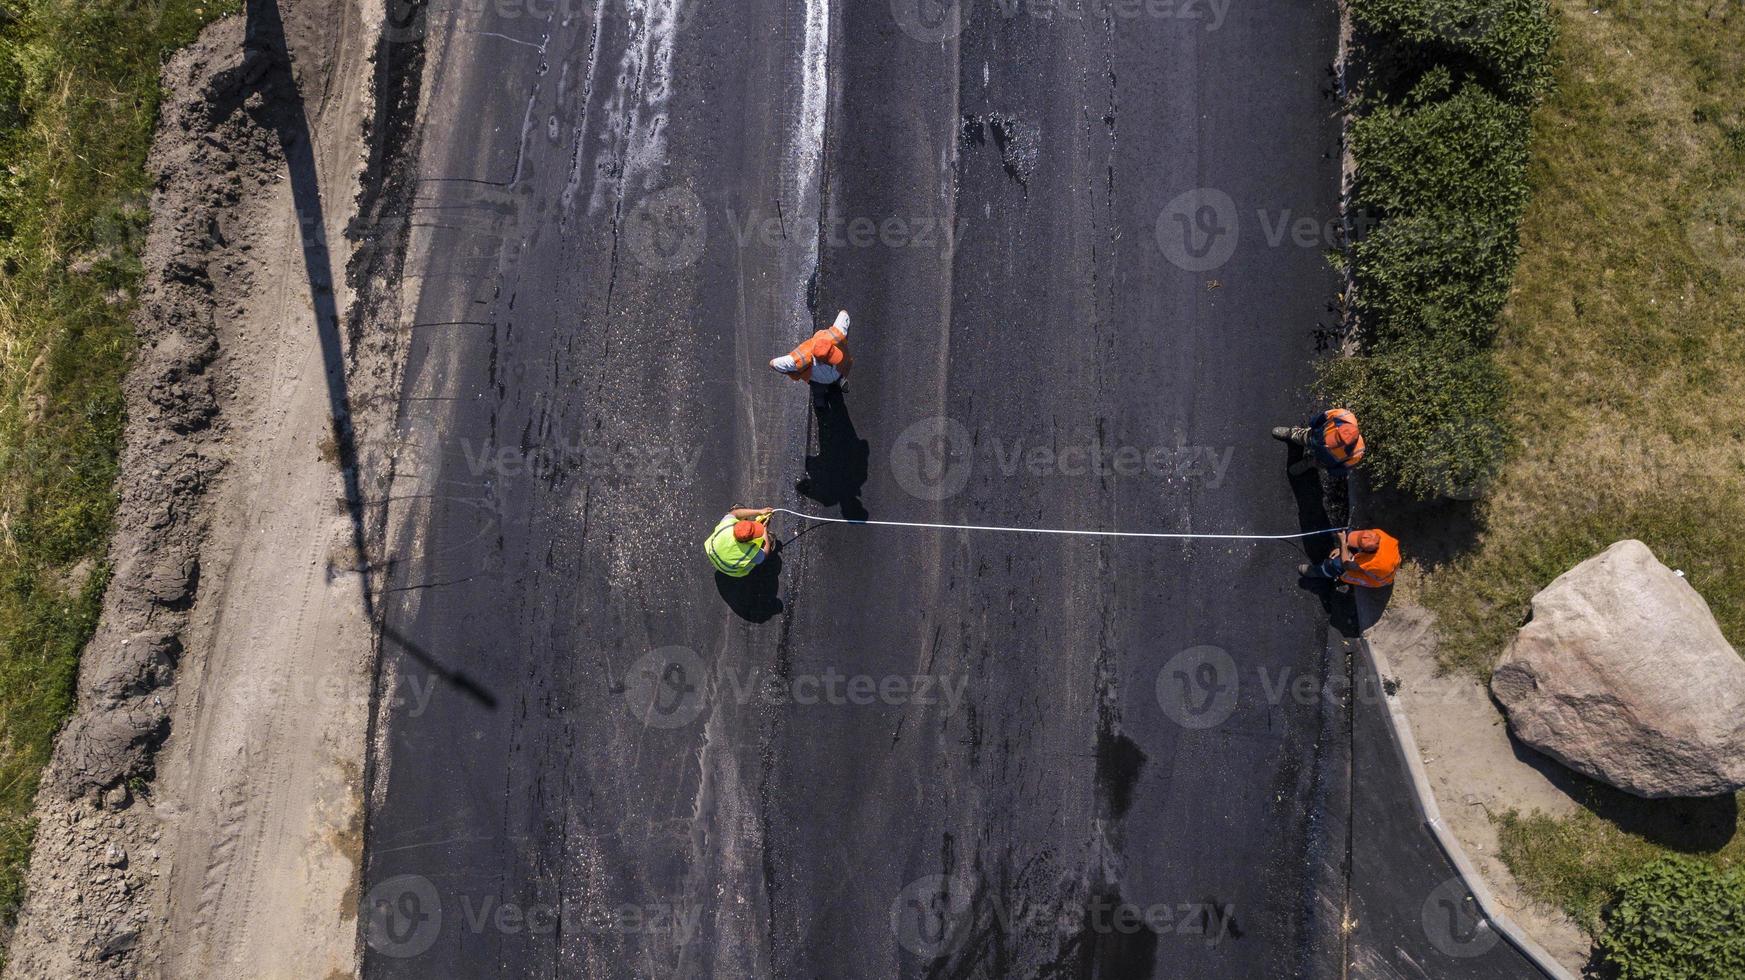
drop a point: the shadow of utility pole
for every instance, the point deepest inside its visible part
(267, 55)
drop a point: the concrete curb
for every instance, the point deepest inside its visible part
(1445, 839)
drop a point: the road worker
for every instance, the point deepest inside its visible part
(1331, 441)
(1367, 558)
(740, 541)
(822, 360)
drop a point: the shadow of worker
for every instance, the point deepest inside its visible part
(754, 597)
(1317, 509)
(836, 473)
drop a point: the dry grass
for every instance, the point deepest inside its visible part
(1624, 346)
(1575, 862)
(1624, 339)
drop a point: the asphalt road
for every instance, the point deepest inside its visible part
(1085, 256)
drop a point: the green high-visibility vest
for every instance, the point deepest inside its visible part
(731, 557)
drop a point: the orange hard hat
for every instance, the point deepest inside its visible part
(747, 531)
(1364, 540)
(1341, 429)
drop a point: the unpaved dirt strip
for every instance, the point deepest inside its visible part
(265, 762)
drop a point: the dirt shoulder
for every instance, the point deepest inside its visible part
(202, 813)
(1475, 769)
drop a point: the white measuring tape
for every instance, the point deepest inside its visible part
(1051, 530)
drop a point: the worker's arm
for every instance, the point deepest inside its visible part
(751, 513)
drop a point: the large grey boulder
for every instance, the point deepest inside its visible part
(1623, 675)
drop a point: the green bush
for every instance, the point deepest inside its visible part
(1448, 146)
(1441, 277)
(1503, 44)
(1442, 183)
(1677, 918)
(1429, 418)
(1445, 93)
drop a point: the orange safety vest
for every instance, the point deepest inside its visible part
(1349, 450)
(836, 355)
(1374, 569)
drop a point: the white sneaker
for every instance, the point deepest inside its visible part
(841, 323)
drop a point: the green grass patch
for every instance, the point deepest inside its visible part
(78, 101)
(1621, 346)
(1621, 350)
(1580, 863)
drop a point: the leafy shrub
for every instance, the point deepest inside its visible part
(1444, 184)
(1441, 185)
(1429, 418)
(1677, 918)
(1446, 146)
(1436, 276)
(1503, 44)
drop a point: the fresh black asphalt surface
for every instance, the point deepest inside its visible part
(1085, 253)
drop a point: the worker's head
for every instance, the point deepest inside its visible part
(1364, 540)
(826, 351)
(747, 531)
(1341, 432)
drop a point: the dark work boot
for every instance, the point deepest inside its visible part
(1282, 433)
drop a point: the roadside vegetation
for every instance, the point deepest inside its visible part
(1657, 913)
(78, 100)
(1659, 927)
(1443, 94)
(1584, 863)
(1606, 380)
(1622, 350)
